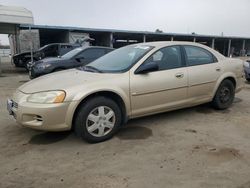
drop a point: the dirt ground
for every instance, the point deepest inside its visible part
(196, 147)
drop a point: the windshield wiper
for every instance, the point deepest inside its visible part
(91, 69)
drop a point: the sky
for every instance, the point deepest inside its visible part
(211, 17)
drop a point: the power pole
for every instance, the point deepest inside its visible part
(31, 45)
(0, 63)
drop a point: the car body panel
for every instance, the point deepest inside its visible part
(158, 90)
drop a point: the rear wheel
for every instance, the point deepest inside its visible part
(97, 120)
(224, 96)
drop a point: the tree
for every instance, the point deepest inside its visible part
(158, 31)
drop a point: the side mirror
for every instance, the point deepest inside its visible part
(147, 67)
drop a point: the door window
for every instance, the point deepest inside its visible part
(167, 58)
(198, 56)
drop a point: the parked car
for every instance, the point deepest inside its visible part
(75, 58)
(247, 70)
(130, 82)
(50, 50)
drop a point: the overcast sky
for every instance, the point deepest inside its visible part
(177, 16)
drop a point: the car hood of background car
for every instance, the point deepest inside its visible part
(65, 80)
(50, 60)
(22, 54)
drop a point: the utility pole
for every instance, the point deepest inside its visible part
(0, 63)
(0, 67)
(31, 45)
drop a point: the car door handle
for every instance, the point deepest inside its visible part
(218, 69)
(179, 75)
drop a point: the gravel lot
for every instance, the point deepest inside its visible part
(195, 147)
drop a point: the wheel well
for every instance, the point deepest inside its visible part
(107, 94)
(232, 80)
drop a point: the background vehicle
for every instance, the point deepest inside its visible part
(50, 50)
(247, 70)
(75, 58)
(133, 81)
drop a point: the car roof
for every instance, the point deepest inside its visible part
(161, 44)
(75, 44)
(101, 47)
(168, 43)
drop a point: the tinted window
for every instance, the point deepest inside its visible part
(198, 56)
(72, 53)
(92, 53)
(66, 46)
(167, 58)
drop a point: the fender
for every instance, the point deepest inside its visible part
(83, 95)
(221, 78)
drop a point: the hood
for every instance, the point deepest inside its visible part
(51, 60)
(24, 53)
(64, 80)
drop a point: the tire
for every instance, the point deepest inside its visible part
(105, 126)
(248, 79)
(224, 96)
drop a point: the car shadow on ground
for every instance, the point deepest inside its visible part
(48, 137)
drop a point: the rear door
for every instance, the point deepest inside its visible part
(203, 71)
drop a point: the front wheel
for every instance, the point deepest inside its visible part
(224, 96)
(97, 120)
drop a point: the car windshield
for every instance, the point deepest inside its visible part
(72, 53)
(120, 60)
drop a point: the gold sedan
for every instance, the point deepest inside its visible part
(133, 81)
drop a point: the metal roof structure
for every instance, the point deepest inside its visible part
(15, 15)
(11, 17)
(97, 30)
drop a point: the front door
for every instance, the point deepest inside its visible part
(163, 89)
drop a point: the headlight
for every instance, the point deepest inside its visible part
(47, 97)
(246, 64)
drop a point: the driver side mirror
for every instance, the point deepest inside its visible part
(147, 67)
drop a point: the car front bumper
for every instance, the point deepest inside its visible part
(46, 117)
(34, 73)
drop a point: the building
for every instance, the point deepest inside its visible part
(227, 45)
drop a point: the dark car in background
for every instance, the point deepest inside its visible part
(50, 50)
(75, 58)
